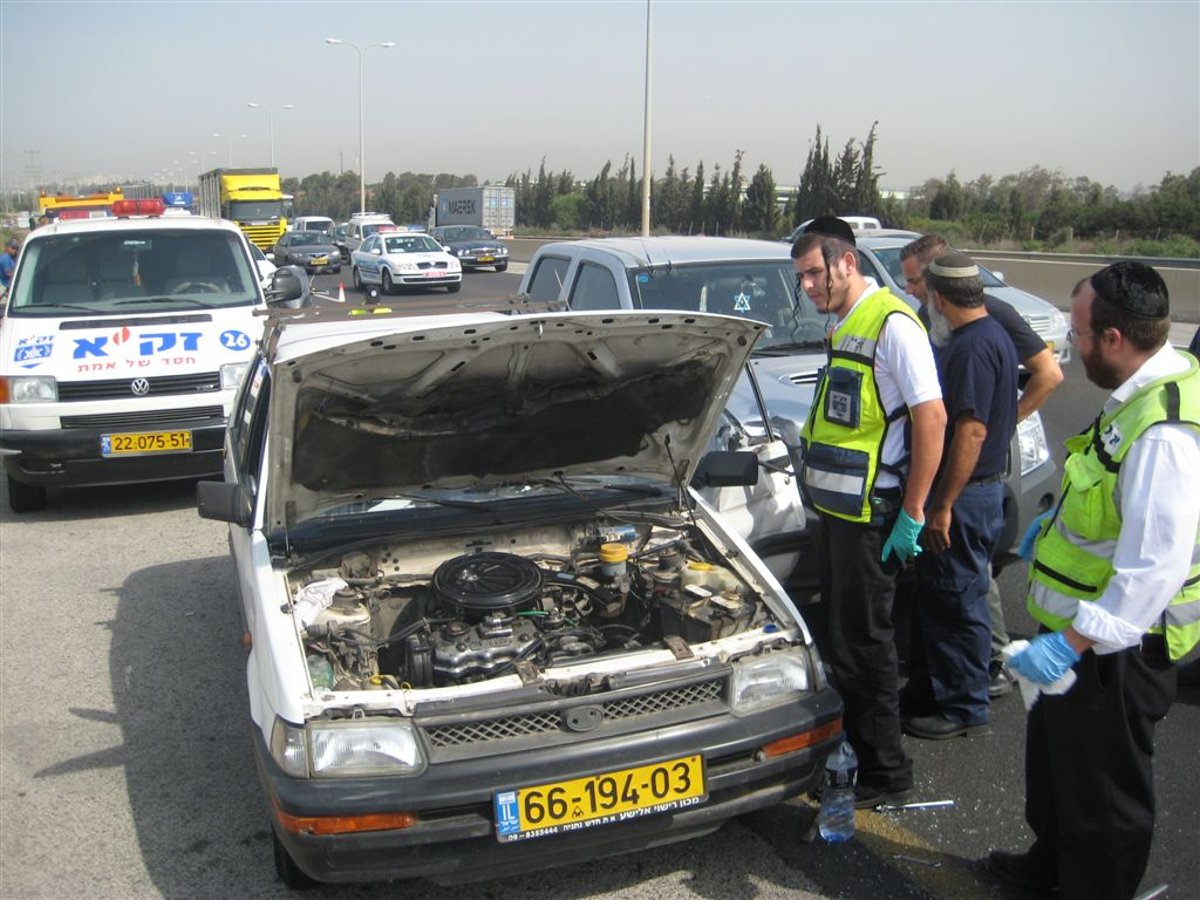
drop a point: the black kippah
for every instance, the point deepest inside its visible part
(1133, 287)
(831, 226)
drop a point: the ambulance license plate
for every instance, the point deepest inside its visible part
(566, 806)
(135, 443)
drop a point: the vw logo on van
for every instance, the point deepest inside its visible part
(140, 387)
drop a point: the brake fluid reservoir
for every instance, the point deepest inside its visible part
(613, 557)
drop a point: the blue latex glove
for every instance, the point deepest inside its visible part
(902, 542)
(1025, 548)
(1047, 658)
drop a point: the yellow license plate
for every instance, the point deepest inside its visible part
(320, 261)
(565, 806)
(487, 259)
(1050, 344)
(137, 442)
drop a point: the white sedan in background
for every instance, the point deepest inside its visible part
(394, 260)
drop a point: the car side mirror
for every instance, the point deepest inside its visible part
(289, 287)
(223, 502)
(727, 468)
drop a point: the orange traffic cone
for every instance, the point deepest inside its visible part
(341, 292)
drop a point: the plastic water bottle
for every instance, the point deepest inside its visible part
(836, 819)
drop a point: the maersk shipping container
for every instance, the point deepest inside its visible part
(492, 206)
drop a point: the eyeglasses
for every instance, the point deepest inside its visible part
(1073, 335)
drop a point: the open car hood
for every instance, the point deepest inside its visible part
(364, 409)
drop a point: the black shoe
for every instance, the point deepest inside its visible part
(1000, 680)
(940, 728)
(916, 702)
(1018, 870)
(869, 797)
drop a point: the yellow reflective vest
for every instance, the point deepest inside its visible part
(847, 424)
(1073, 554)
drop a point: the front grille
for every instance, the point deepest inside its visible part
(1040, 324)
(146, 420)
(121, 388)
(550, 721)
(429, 265)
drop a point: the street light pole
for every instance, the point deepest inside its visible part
(362, 165)
(646, 137)
(271, 123)
(230, 138)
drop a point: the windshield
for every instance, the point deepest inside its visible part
(891, 261)
(764, 290)
(116, 271)
(255, 210)
(413, 243)
(464, 233)
(310, 237)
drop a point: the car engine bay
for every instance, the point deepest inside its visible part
(412, 615)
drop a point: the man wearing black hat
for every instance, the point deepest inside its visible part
(1115, 586)
(978, 369)
(868, 486)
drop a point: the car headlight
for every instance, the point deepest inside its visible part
(760, 682)
(347, 749)
(502, 251)
(28, 389)
(1058, 322)
(231, 375)
(1031, 439)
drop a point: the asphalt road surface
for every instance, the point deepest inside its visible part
(126, 768)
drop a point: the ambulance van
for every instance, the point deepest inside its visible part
(121, 346)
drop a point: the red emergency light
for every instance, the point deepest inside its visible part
(73, 214)
(144, 207)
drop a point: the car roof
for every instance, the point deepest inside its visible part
(886, 239)
(643, 251)
(134, 223)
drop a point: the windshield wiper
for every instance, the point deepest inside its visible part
(38, 309)
(474, 506)
(130, 301)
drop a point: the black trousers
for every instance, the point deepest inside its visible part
(1089, 783)
(858, 591)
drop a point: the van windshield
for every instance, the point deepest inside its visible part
(102, 272)
(764, 290)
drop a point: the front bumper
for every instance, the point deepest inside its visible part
(455, 837)
(417, 279)
(483, 261)
(71, 457)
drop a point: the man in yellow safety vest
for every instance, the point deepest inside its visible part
(1115, 585)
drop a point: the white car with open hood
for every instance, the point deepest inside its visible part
(493, 624)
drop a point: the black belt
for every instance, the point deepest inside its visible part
(987, 479)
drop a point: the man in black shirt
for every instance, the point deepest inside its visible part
(978, 371)
(1045, 375)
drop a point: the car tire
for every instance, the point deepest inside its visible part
(23, 498)
(454, 288)
(337, 270)
(285, 867)
(500, 267)
(386, 286)
(356, 279)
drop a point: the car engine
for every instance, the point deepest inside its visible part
(544, 600)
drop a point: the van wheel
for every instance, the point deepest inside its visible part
(356, 278)
(25, 497)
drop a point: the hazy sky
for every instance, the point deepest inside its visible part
(1110, 91)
